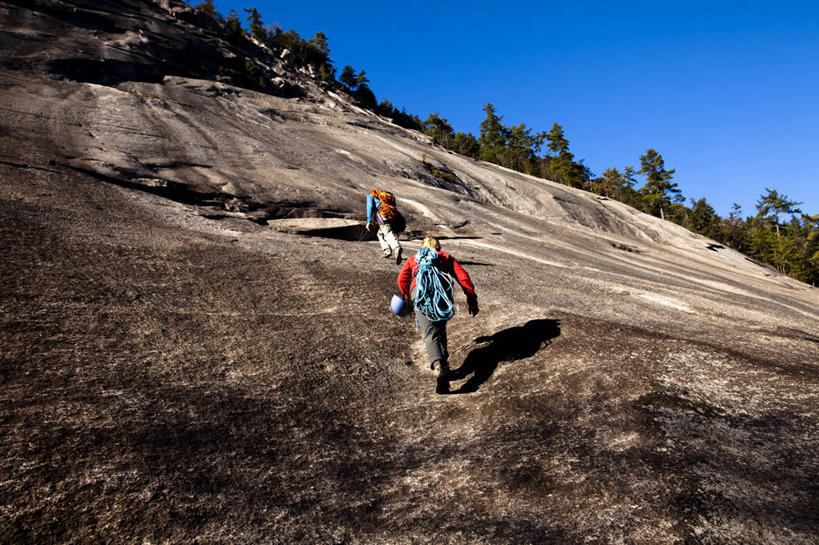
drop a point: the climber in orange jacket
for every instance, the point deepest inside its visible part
(381, 209)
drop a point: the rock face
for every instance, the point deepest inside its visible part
(177, 371)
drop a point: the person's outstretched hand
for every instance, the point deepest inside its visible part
(368, 226)
(473, 308)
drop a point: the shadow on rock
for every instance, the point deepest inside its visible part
(510, 344)
(476, 263)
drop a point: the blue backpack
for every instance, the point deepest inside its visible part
(433, 288)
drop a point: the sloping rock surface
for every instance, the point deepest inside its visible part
(176, 370)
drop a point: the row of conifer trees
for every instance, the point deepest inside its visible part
(778, 233)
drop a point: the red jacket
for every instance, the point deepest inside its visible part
(444, 262)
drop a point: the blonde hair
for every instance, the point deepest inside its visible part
(431, 242)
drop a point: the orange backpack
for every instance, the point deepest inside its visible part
(387, 207)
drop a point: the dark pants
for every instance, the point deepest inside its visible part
(434, 336)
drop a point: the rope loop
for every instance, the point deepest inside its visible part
(433, 296)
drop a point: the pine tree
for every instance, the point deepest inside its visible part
(796, 249)
(762, 240)
(439, 129)
(319, 41)
(493, 135)
(361, 78)
(563, 168)
(233, 25)
(609, 184)
(734, 231)
(206, 8)
(630, 195)
(302, 53)
(325, 73)
(385, 107)
(808, 242)
(658, 186)
(257, 30)
(772, 204)
(557, 141)
(702, 219)
(348, 77)
(624, 186)
(365, 95)
(316, 53)
(466, 144)
(519, 151)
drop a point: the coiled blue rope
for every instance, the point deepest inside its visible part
(433, 289)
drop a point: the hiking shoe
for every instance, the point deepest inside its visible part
(387, 253)
(443, 370)
(440, 368)
(398, 256)
(441, 386)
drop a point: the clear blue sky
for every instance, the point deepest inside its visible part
(726, 91)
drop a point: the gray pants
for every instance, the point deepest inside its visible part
(434, 337)
(386, 238)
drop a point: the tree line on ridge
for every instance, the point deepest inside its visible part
(778, 233)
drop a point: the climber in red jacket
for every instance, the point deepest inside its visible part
(427, 279)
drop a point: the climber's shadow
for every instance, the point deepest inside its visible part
(510, 344)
